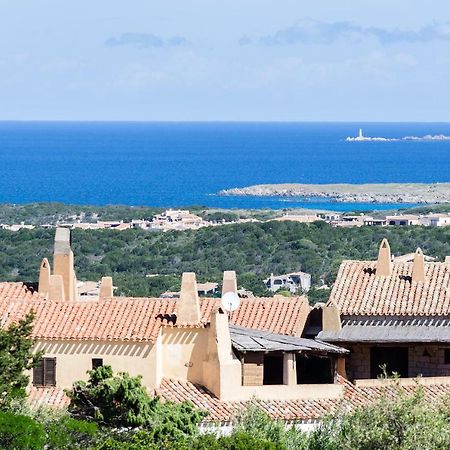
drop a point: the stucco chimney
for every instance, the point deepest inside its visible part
(63, 262)
(106, 288)
(418, 269)
(229, 283)
(44, 278)
(188, 308)
(222, 371)
(331, 317)
(56, 288)
(384, 262)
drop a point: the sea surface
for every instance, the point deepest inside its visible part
(183, 164)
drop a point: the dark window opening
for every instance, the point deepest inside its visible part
(44, 374)
(447, 356)
(97, 362)
(393, 359)
(273, 369)
(314, 370)
(313, 324)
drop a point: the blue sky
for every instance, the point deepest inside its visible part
(225, 60)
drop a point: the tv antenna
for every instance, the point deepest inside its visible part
(230, 301)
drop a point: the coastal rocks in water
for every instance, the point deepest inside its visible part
(352, 193)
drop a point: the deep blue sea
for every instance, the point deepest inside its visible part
(182, 164)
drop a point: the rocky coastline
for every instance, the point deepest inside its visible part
(351, 193)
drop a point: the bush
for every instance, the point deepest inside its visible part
(253, 421)
(405, 422)
(120, 401)
(19, 432)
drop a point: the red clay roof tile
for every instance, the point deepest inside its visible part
(358, 291)
(136, 319)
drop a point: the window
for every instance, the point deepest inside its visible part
(97, 362)
(273, 369)
(314, 370)
(395, 359)
(45, 373)
(447, 356)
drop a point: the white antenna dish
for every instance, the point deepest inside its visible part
(230, 301)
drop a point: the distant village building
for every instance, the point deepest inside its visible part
(373, 222)
(439, 220)
(203, 289)
(177, 220)
(293, 282)
(302, 218)
(207, 288)
(17, 227)
(402, 220)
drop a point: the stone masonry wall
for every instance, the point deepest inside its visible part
(425, 360)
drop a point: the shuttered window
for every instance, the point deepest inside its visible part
(45, 373)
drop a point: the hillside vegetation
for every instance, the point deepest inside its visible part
(254, 250)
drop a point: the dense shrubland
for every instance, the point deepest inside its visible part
(254, 250)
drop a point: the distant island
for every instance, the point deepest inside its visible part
(428, 137)
(352, 193)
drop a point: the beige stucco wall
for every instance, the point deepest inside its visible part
(74, 359)
(183, 351)
(284, 392)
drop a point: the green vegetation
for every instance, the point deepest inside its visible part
(121, 401)
(396, 421)
(254, 250)
(50, 213)
(15, 357)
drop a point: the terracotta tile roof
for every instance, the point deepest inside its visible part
(358, 291)
(11, 292)
(292, 410)
(47, 396)
(289, 410)
(139, 319)
(221, 411)
(276, 314)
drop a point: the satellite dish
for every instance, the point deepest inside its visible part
(230, 301)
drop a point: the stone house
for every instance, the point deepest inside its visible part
(391, 314)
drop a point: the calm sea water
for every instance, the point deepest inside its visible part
(180, 164)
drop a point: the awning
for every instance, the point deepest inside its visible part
(251, 340)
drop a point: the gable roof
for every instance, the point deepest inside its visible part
(358, 291)
(139, 319)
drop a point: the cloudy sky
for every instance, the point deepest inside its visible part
(327, 60)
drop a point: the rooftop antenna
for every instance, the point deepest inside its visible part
(230, 301)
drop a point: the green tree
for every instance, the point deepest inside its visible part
(122, 401)
(16, 357)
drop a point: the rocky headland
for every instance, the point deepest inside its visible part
(352, 193)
